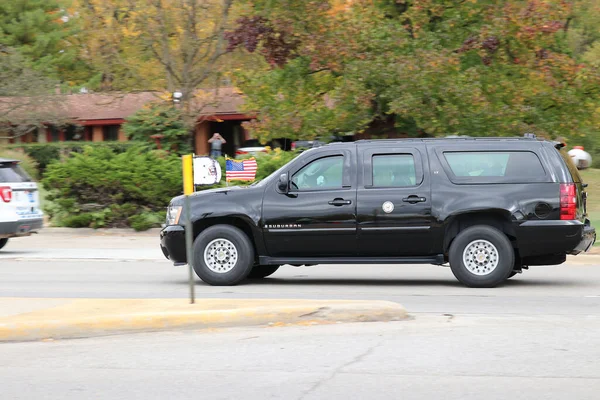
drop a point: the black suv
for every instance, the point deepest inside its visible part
(489, 207)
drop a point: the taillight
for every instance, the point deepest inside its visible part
(6, 194)
(240, 152)
(568, 201)
(293, 145)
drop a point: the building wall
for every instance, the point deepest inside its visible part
(97, 134)
(201, 137)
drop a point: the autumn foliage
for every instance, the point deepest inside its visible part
(432, 67)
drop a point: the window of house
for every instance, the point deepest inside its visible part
(394, 170)
(73, 133)
(110, 133)
(324, 173)
(54, 133)
(511, 164)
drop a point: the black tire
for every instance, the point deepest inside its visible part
(233, 273)
(505, 256)
(262, 271)
(3, 243)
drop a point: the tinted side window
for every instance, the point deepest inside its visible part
(394, 170)
(324, 173)
(510, 164)
(12, 173)
(570, 165)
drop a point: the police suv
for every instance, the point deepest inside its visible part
(20, 213)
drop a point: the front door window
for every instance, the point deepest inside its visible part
(322, 174)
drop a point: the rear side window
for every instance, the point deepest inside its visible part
(394, 170)
(570, 165)
(12, 173)
(504, 164)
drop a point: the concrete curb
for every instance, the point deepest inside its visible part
(47, 230)
(91, 317)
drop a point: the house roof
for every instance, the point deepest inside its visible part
(115, 106)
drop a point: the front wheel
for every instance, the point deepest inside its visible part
(262, 271)
(223, 255)
(481, 256)
(3, 242)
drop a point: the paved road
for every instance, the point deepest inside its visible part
(117, 267)
(460, 357)
(535, 337)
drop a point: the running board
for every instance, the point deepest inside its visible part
(436, 260)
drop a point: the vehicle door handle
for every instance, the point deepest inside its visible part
(412, 199)
(340, 202)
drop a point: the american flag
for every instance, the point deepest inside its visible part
(240, 170)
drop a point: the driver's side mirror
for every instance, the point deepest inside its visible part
(283, 183)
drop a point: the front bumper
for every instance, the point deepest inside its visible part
(24, 227)
(172, 243)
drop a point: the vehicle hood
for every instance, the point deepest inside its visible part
(210, 194)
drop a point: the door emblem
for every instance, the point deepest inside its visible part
(388, 207)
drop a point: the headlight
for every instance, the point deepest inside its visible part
(173, 214)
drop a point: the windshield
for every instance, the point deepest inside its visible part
(12, 173)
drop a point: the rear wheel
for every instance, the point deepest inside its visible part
(3, 242)
(262, 271)
(223, 255)
(481, 256)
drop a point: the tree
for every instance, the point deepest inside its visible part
(46, 36)
(25, 97)
(158, 44)
(159, 119)
(433, 67)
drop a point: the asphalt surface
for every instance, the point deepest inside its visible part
(96, 266)
(534, 337)
(461, 357)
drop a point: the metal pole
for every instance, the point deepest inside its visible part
(189, 237)
(188, 188)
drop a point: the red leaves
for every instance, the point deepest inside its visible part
(491, 44)
(552, 27)
(276, 47)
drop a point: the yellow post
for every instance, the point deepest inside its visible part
(188, 188)
(188, 174)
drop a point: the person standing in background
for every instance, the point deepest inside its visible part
(216, 144)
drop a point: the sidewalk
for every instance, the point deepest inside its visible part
(24, 319)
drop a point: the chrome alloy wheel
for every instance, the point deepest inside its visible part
(220, 256)
(480, 257)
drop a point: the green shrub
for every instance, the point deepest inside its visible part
(46, 153)
(160, 119)
(103, 188)
(26, 162)
(147, 220)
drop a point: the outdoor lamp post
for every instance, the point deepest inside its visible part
(176, 96)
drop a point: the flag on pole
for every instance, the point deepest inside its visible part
(244, 170)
